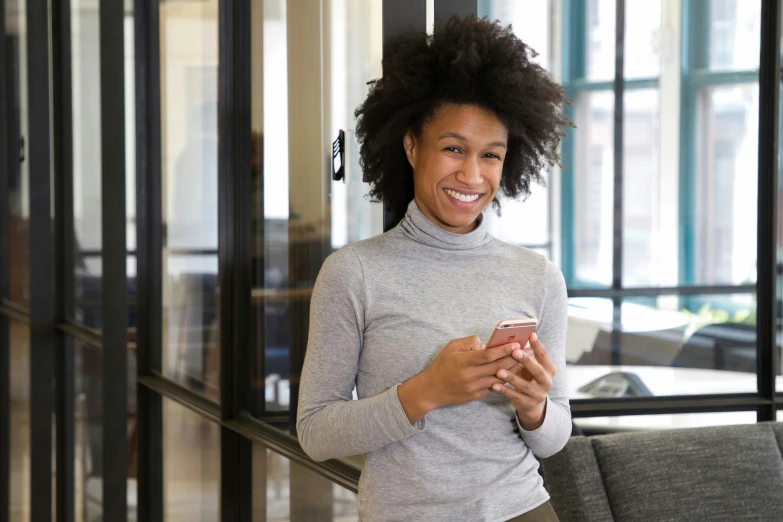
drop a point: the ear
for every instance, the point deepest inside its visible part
(409, 143)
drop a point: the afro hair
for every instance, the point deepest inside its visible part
(470, 61)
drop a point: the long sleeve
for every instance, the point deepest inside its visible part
(553, 434)
(330, 424)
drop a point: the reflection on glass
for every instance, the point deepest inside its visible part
(602, 425)
(355, 51)
(593, 187)
(735, 29)
(19, 343)
(532, 22)
(297, 221)
(779, 271)
(188, 69)
(86, 99)
(642, 39)
(661, 346)
(18, 173)
(191, 466)
(643, 202)
(725, 193)
(599, 54)
(284, 491)
(88, 428)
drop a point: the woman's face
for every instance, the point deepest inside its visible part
(457, 163)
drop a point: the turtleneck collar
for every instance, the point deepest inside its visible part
(417, 227)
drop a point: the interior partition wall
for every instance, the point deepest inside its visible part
(204, 428)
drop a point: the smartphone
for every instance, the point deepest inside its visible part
(513, 330)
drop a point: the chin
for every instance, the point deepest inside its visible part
(460, 220)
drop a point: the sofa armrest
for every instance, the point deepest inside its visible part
(574, 482)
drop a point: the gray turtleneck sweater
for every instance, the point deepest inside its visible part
(382, 309)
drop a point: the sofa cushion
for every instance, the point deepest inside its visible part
(574, 484)
(777, 427)
(724, 473)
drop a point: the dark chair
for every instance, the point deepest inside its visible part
(724, 346)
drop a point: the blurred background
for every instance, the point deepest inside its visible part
(653, 219)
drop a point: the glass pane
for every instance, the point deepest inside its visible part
(297, 221)
(19, 341)
(593, 187)
(642, 39)
(779, 270)
(188, 69)
(735, 34)
(86, 100)
(532, 23)
(599, 51)
(88, 429)
(724, 242)
(661, 346)
(643, 201)
(602, 425)
(18, 151)
(283, 491)
(130, 173)
(191, 465)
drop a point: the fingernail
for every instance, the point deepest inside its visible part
(533, 337)
(515, 346)
(496, 387)
(502, 374)
(519, 354)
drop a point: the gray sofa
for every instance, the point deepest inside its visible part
(702, 474)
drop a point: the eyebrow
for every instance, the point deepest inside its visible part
(460, 137)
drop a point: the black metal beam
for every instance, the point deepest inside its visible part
(654, 291)
(617, 217)
(14, 311)
(234, 250)
(338, 471)
(42, 306)
(149, 259)
(445, 9)
(5, 356)
(115, 280)
(5, 417)
(164, 387)
(64, 261)
(667, 405)
(401, 18)
(769, 94)
(80, 333)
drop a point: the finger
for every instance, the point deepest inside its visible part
(541, 354)
(519, 400)
(486, 383)
(534, 367)
(528, 388)
(490, 354)
(469, 344)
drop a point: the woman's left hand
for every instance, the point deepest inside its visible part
(529, 396)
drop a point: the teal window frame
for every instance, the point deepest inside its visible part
(694, 74)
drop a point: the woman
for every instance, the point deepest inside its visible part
(456, 119)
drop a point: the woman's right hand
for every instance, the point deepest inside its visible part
(463, 371)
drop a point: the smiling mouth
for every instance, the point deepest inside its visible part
(463, 197)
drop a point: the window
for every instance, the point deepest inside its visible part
(689, 158)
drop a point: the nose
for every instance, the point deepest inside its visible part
(470, 173)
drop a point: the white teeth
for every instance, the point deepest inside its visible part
(462, 197)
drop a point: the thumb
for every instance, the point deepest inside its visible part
(468, 344)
